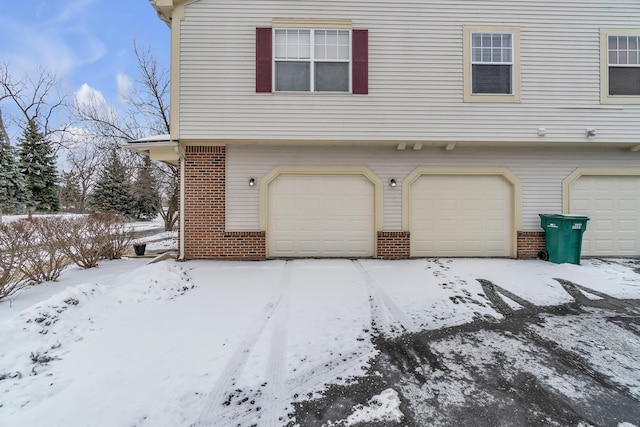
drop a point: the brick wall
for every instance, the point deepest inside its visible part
(205, 236)
(530, 243)
(393, 245)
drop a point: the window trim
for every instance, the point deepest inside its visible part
(605, 98)
(469, 96)
(312, 60)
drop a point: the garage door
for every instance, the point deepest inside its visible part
(461, 216)
(613, 205)
(321, 216)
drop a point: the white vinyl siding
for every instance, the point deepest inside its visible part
(541, 173)
(416, 85)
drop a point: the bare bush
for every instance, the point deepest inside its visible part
(11, 258)
(120, 235)
(86, 240)
(44, 257)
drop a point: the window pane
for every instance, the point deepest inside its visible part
(633, 43)
(293, 76)
(486, 55)
(332, 77)
(613, 42)
(332, 51)
(491, 79)
(613, 57)
(622, 43)
(343, 52)
(476, 54)
(633, 58)
(476, 40)
(304, 41)
(486, 40)
(496, 40)
(622, 57)
(506, 40)
(497, 55)
(506, 55)
(624, 81)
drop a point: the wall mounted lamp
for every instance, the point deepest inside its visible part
(591, 132)
(392, 182)
(252, 182)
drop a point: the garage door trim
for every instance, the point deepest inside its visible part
(318, 170)
(516, 210)
(579, 172)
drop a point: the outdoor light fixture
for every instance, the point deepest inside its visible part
(392, 182)
(252, 182)
(591, 132)
(542, 131)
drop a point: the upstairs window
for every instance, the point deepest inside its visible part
(308, 60)
(491, 64)
(624, 65)
(620, 65)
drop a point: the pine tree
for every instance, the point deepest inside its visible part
(146, 192)
(112, 192)
(12, 184)
(38, 166)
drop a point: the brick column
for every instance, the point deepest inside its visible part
(394, 245)
(205, 236)
(530, 243)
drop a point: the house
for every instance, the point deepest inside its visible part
(395, 129)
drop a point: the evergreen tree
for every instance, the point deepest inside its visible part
(145, 190)
(38, 166)
(12, 184)
(113, 192)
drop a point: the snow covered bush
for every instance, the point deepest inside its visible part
(86, 240)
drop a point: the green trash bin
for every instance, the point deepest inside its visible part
(563, 235)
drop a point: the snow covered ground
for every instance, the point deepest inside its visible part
(236, 343)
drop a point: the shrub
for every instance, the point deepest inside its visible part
(11, 258)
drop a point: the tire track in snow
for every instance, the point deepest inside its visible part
(381, 303)
(217, 407)
(276, 364)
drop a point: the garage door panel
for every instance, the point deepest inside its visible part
(613, 205)
(453, 215)
(331, 216)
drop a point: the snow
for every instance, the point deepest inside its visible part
(175, 344)
(382, 407)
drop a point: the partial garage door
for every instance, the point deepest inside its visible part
(613, 205)
(461, 215)
(320, 216)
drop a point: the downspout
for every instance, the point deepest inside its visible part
(182, 187)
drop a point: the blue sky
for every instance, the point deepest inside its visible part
(87, 44)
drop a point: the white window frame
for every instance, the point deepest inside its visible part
(605, 97)
(312, 59)
(468, 33)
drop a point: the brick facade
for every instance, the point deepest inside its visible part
(530, 243)
(205, 236)
(393, 245)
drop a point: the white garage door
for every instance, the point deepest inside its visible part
(461, 215)
(321, 216)
(613, 205)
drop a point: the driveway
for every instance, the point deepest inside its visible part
(326, 342)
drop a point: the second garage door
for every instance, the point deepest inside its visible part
(613, 205)
(461, 215)
(320, 216)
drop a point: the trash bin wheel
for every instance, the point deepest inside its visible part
(543, 255)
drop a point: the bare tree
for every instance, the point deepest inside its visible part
(80, 174)
(35, 101)
(146, 113)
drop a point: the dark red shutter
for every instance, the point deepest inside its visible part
(360, 66)
(263, 60)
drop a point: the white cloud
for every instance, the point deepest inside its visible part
(87, 96)
(125, 85)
